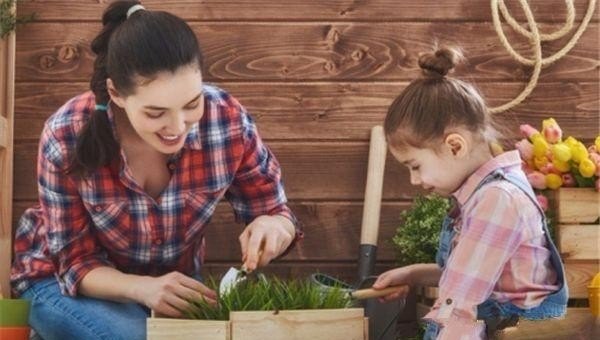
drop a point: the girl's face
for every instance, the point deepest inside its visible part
(444, 171)
(163, 110)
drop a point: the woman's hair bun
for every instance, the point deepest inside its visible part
(440, 62)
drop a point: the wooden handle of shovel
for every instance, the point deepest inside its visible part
(368, 293)
(373, 190)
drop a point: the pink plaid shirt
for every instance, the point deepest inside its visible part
(499, 252)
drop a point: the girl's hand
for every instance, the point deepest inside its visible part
(168, 295)
(394, 277)
(270, 234)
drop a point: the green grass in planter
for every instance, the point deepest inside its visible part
(272, 294)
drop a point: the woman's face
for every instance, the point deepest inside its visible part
(163, 110)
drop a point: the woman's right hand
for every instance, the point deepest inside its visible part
(169, 294)
(394, 277)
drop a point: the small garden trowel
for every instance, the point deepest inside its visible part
(235, 276)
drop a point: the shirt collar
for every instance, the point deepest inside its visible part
(504, 160)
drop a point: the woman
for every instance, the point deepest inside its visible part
(129, 175)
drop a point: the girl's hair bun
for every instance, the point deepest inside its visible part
(438, 63)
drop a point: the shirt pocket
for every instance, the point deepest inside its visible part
(111, 223)
(200, 206)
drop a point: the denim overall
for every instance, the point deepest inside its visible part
(501, 315)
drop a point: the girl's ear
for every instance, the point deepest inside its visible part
(457, 145)
(115, 97)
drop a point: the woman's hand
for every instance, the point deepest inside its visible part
(169, 294)
(394, 277)
(270, 235)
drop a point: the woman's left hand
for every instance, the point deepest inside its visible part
(270, 234)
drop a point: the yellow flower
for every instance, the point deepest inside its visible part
(540, 146)
(560, 165)
(570, 141)
(553, 181)
(587, 168)
(579, 152)
(540, 162)
(561, 152)
(597, 143)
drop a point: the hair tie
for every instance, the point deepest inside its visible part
(101, 107)
(134, 9)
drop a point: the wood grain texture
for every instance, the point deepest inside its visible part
(7, 116)
(577, 324)
(579, 242)
(577, 205)
(167, 329)
(579, 275)
(337, 222)
(340, 111)
(336, 171)
(338, 324)
(312, 51)
(263, 10)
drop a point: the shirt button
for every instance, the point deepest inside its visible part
(158, 241)
(97, 208)
(448, 301)
(172, 166)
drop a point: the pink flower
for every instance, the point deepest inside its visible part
(525, 149)
(551, 131)
(543, 201)
(568, 180)
(527, 169)
(528, 130)
(537, 180)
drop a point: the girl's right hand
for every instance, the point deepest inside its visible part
(394, 277)
(169, 294)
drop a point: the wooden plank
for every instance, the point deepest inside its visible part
(578, 205)
(314, 51)
(372, 10)
(167, 329)
(5, 139)
(579, 275)
(340, 111)
(339, 221)
(7, 105)
(577, 324)
(335, 324)
(579, 242)
(340, 174)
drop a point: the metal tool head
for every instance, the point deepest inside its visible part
(231, 278)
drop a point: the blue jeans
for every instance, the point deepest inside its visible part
(56, 316)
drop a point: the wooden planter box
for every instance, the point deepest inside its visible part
(342, 324)
(578, 236)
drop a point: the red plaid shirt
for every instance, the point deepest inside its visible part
(107, 219)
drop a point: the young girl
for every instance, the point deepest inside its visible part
(496, 262)
(129, 175)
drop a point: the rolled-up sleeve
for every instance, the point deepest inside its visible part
(257, 188)
(71, 243)
(492, 230)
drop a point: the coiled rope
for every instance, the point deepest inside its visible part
(535, 39)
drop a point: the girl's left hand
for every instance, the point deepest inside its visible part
(270, 234)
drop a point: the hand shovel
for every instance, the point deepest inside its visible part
(326, 282)
(235, 276)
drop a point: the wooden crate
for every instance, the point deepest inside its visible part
(578, 236)
(342, 324)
